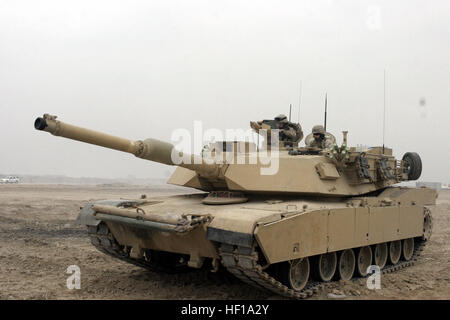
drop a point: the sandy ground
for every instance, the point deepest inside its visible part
(39, 240)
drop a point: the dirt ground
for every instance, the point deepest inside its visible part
(39, 240)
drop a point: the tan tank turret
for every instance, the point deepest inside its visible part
(320, 172)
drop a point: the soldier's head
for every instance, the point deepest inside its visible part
(281, 117)
(318, 132)
(282, 120)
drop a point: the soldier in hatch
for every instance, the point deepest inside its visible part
(289, 132)
(320, 140)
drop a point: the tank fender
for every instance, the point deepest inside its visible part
(86, 215)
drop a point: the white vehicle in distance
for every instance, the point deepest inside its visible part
(10, 179)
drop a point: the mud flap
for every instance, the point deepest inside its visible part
(230, 237)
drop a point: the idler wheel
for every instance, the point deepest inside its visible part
(407, 249)
(363, 260)
(298, 273)
(325, 266)
(395, 251)
(346, 264)
(380, 254)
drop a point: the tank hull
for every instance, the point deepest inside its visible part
(267, 233)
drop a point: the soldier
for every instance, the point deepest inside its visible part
(289, 132)
(319, 140)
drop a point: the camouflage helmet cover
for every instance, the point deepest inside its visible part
(281, 118)
(318, 129)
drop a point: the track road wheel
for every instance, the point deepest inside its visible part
(296, 272)
(395, 251)
(363, 260)
(325, 266)
(407, 249)
(380, 254)
(427, 224)
(346, 264)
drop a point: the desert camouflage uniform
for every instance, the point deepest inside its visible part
(289, 131)
(323, 143)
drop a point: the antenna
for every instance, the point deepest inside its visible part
(384, 105)
(290, 109)
(325, 121)
(299, 102)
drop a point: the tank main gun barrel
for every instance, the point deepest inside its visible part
(149, 149)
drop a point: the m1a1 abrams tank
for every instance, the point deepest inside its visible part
(322, 215)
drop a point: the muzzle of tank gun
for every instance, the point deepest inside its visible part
(40, 124)
(149, 149)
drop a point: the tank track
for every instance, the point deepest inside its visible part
(243, 263)
(102, 239)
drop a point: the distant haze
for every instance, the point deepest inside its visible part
(142, 69)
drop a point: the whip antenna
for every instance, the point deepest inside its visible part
(290, 109)
(325, 121)
(384, 106)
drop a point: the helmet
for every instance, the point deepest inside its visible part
(281, 117)
(318, 129)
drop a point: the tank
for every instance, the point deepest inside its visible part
(291, 225)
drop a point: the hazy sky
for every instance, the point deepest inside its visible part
(142, 69)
